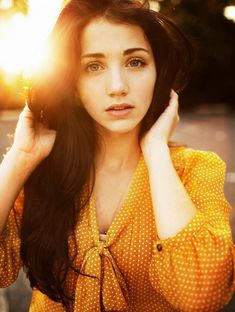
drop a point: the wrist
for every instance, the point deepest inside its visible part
(158, 152)
(21, 159)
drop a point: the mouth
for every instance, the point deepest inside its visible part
(119, 107)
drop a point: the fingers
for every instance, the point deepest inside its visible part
(173, 93)
(174, 99)
(174, 103)
(27, 113)
(26, 109)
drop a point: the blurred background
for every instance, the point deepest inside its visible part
(207, 105)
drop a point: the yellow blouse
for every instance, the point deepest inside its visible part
(134, 270)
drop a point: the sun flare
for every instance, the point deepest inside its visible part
(23, 37)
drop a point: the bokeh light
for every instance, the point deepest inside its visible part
(154, 5)
(229, 12)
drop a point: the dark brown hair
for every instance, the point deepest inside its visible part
(56, 193)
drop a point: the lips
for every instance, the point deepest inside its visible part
(119, 107)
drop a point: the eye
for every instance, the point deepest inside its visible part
(93, 67)
(136, 62)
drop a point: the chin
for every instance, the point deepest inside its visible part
(121, 129)
(118, 127)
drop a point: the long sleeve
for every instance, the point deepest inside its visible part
(194, 270)
(10, 261)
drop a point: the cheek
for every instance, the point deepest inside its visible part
(88, 90)
(82, 92)
(89, 101)
(152, 84)
(146, 91)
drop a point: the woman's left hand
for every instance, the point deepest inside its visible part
(163, 128)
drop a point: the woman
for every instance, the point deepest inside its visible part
(112, 217)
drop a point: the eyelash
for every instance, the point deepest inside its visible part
(141, 62)
(88, 67)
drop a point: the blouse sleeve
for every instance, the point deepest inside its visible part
(10, 261)
(194, 270)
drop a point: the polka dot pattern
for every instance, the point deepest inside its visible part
(194, 269)
(132, 269)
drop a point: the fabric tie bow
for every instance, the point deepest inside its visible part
(106, 289)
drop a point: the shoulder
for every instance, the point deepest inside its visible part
(189, 159)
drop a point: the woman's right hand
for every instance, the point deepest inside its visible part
(32, 137)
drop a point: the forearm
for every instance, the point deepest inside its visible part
(172, 205)
(195, 268)
(14, 171)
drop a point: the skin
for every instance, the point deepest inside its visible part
(114, 81)
(114, 78)
(117, 76)
(125, 72)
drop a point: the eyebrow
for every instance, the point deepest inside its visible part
(126, 52)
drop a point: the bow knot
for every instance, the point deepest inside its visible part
(101, 247)
(102, 285)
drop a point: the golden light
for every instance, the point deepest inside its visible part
(5, 4)
(154, 5)
(229, 12)
(23, 38)
(12, 55)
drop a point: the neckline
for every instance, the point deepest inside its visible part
(122, 208)
(102, 236)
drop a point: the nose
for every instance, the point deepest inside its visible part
(117, 83)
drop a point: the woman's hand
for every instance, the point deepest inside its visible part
(32, 137)
(162, 129)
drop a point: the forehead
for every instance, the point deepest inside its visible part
(101, 35)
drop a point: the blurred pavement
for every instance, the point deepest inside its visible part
(207, 128)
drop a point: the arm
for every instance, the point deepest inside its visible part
(193, 258)
(10, 261)
(194, 269)
(173, 208)
(14, 171)
(32, 143)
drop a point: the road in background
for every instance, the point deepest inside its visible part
(205, 129)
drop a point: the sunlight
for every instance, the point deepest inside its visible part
(23, 38)
(5, 4)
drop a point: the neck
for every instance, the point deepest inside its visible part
(117, 152)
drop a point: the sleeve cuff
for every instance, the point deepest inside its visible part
(189, 231)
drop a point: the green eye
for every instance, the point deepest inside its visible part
(93, 67)
(136, 63)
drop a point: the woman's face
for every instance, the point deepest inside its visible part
(117, 74)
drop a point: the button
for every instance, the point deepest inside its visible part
(159, 247)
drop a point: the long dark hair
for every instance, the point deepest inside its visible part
(56, 191)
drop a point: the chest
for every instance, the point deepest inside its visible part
(110, 192)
